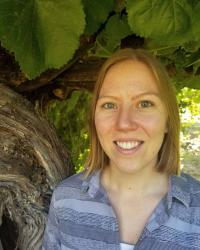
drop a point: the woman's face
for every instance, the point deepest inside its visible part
(130, 117)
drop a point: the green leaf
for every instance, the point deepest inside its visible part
(190, 81)
(96, 13)
(109, 39)
(168, 20)
(159, 48)
(42, 33)
(191, 46)
(73, 101)
(120, 5)
(195, 23)
(192, 59)
(193, 3)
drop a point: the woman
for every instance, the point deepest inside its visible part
(131, 195)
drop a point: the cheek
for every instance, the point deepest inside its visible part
(103, 132)
(101, 126)
(103, 123)
(155, 124)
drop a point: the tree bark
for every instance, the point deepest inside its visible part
(32, 162)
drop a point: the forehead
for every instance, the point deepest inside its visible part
(130, 75)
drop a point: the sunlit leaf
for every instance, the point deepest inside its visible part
(42, 33)
(169, 21)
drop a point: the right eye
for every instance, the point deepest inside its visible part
(109, 105)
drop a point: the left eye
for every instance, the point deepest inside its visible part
(145, 104)
(109, 105)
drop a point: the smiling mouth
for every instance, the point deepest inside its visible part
(128, 145)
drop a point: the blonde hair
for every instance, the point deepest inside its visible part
(169, 154)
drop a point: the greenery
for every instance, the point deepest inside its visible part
(45, 34)
(42, 33)
(70, 119)
(189, 102)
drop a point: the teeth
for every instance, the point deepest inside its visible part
(128, 145)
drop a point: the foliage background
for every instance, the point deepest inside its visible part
(45, 34)
(189, 103)
(70, 119)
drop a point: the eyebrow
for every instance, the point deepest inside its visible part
(135, 97)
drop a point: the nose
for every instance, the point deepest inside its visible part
(126, 119)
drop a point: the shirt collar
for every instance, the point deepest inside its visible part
(92, 184)
(179, 188)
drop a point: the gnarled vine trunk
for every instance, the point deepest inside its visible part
(32, 162)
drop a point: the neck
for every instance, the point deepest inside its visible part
(140, 183)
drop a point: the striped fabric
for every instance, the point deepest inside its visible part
(81, 217)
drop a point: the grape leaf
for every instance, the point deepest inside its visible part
(42, 33)
(191, 46)
(169, 20)
(120, 5)
(195, 23)
(190, 82)
(193, 2)
(159, 48)
(73, 101)
(96, 13)
(110, 38)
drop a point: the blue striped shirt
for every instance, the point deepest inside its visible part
(81, 217)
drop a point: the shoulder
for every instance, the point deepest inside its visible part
(193, 186)
(186, 189)
(192, 180)
(187, 183)
(184, 203)
(70, 188)
(192, 183)
(75, 180)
